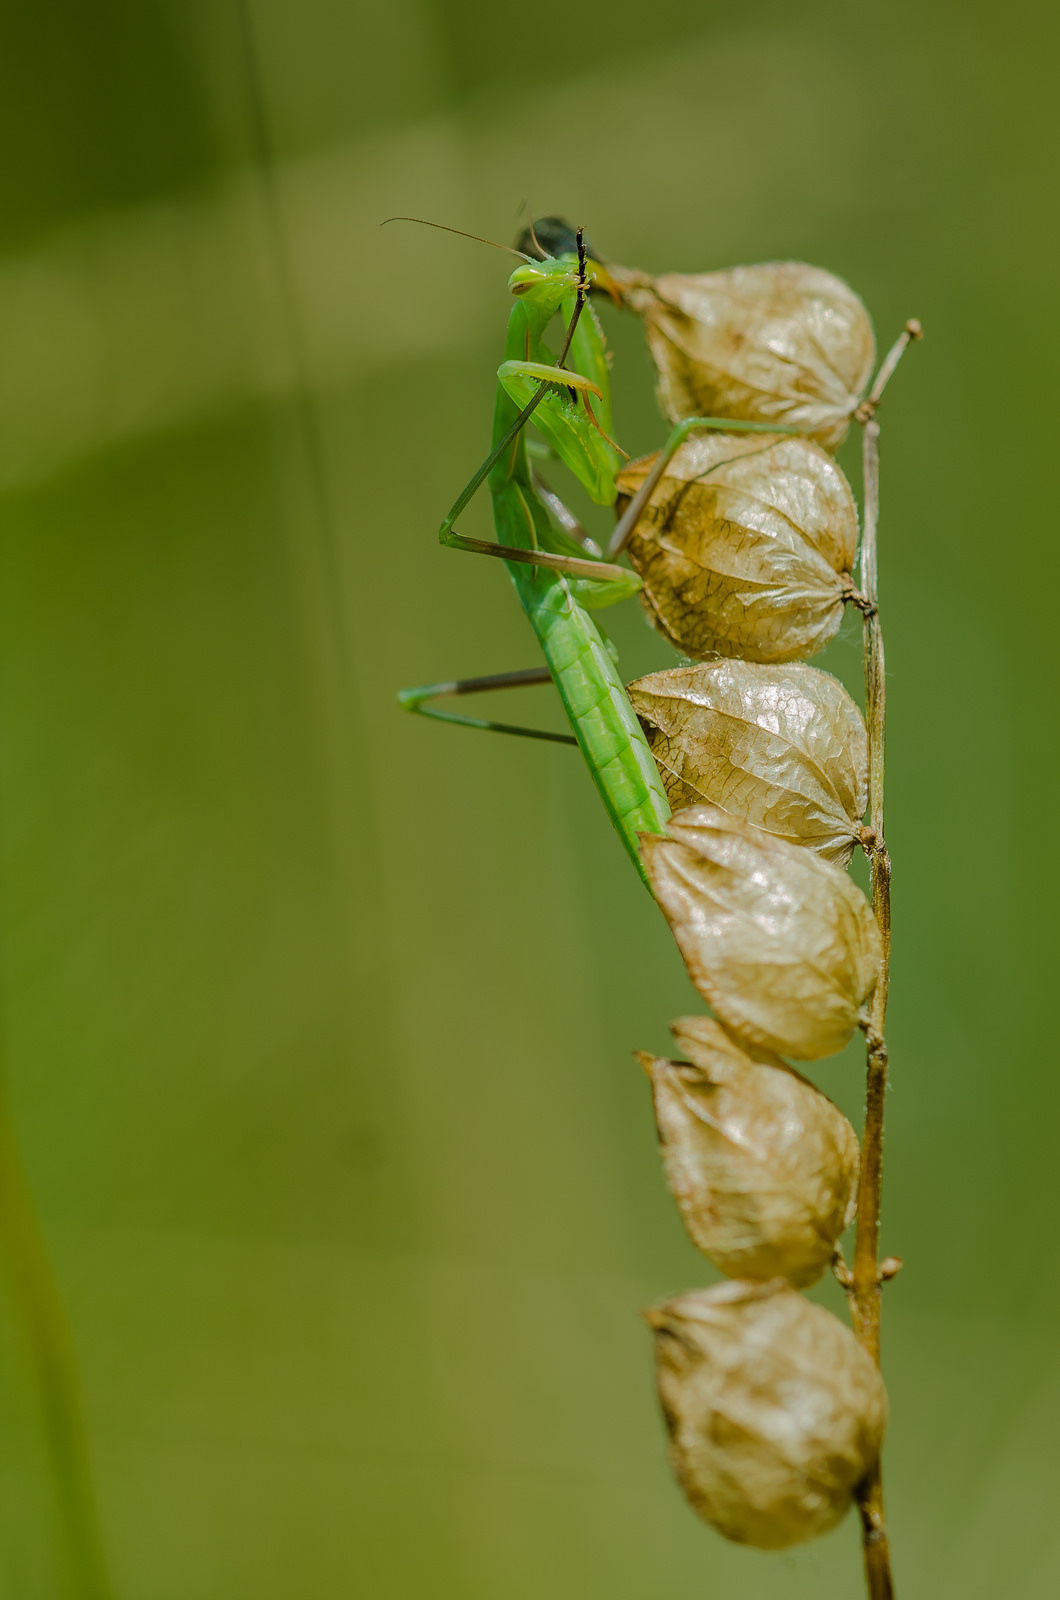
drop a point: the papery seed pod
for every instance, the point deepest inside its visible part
(745, 546)
(779, 342)
(774, 1410)
(782, 945)
(783, 747)
(762, 1165)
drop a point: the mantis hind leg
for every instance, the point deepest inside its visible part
(569, 566)
(417, 702)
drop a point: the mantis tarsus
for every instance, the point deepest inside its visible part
(559, 577)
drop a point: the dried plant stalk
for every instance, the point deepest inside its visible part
(866, 1280)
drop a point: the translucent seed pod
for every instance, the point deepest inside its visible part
(782, 945)
(745, 547)
(779, 342)
(774, 1410)
(762, 1165)
(783, 747)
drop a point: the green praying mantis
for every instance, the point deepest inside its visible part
(559, 575)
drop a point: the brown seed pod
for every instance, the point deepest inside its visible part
(774, 1410)
(782, 945)
(779, 342)
(762, 1165)
(783, 747)
(745, 546)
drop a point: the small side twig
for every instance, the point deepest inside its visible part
(867, 1276)
(868, 407)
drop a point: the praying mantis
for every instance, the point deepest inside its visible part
(559, 575)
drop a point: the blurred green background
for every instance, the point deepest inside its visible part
(318, 1019)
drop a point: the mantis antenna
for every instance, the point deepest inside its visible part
(460, 234)
(531, 230)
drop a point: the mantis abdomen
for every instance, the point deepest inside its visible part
(597, 705)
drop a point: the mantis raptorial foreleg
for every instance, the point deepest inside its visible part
(570, 566)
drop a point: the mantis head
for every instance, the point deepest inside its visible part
(542, 276)
(549, 279)
(546, 281)
(553, 238)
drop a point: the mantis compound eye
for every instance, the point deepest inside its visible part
(525, 279)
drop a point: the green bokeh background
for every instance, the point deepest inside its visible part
(318, 1019)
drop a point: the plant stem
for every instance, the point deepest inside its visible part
(51, 1349)
(866, 1278)
(865, 1289)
